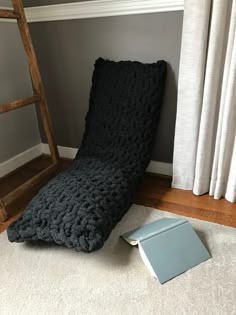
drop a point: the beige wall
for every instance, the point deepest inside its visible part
(67, 50)
(19, 128)
(5, 3)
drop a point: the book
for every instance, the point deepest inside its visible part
(168, 247)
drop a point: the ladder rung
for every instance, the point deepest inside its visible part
(6, 200)
(8, 14)
(20, 103)
(3, 213)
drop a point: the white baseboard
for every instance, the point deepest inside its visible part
(64, 152)
(154, 166)
(69, 153)
(19, 160)
(160, 168)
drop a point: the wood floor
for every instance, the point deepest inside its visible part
(155, 192)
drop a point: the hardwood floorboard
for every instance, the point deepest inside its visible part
(155, 192)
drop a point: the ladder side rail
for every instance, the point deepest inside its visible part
(36, 77)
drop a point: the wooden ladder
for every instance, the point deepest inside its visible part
(38, 99)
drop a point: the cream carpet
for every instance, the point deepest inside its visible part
(49, 279)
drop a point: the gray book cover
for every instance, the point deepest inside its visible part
(168, 247)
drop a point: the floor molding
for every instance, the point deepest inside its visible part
(154, 166)
(64, 152)
(160, 168)
(100, 8)
(20, 159)
(69, 153)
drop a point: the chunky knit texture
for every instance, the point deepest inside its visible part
(80, 207)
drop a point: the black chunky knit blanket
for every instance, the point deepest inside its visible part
(80, 207)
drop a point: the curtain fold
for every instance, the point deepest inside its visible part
(205, 145)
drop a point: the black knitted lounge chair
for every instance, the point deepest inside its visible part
(80, 207)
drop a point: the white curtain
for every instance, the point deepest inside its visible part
(205, 137)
